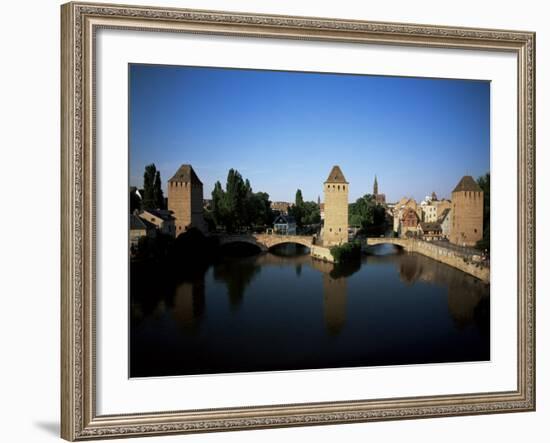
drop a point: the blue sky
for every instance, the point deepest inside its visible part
(285, 130)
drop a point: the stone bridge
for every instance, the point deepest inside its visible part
(434, 251)
(266, 241)
(405, 243)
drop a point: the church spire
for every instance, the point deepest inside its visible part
(375, 187)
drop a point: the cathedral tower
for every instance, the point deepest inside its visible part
(335, 231)
(379, 198)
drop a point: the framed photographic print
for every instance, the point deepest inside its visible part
(283, 221)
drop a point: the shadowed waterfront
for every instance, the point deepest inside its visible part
(282, 310)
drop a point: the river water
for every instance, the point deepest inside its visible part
(282, 310)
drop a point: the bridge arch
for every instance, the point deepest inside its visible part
(290, 242)
(266, 241)
(271, 240)
(402, 243)
(250, 240)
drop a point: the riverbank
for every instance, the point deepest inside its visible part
(439, 253)
(451, 258)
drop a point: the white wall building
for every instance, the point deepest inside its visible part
(429, 212)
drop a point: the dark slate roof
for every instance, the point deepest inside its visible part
(467, 183)
(336, 176)
(136, 222)
(284, 219)
(163, 214)
(444, 215)
(430, 226)
(185, 174)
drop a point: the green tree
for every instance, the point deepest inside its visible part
(311, 213)
(149, 186)
(484, 183)
(305, 213)
(218, 200)
(297, 209)
(158, 195)
(235, 201)
(366, 212)
(238, 206)
(249, 205)
(346, 252)
(299, 200)
(260, 213)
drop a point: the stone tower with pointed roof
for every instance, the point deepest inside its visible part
(467, 213)
(335, 231)
(185, 200)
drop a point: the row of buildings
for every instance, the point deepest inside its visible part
(149, 223)
(429, 217)
(460, 220)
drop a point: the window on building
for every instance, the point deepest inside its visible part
(330, 229)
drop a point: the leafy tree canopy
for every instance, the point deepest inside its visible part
(484, 183)
(366, 212)
(153, 197)
(237, 206)
(305, 212)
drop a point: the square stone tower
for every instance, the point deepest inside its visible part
(467, 213)
(185, 200)
(335, 231)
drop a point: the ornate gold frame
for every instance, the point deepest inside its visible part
(79, 420)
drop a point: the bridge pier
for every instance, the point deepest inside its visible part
(321, 253)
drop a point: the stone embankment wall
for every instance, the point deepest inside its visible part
(450, 258)
(321, 253)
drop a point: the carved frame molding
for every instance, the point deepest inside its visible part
(79, 23)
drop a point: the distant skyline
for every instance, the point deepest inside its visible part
(285, 130)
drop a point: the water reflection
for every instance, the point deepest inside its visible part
(237, 274)
(189, 304)
(334, 296)
(392, 308)
(466, 295)
(333, 277)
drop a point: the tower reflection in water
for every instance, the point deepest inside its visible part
(287, 311)
(189, 304)
(466, 296)
(334, 297)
